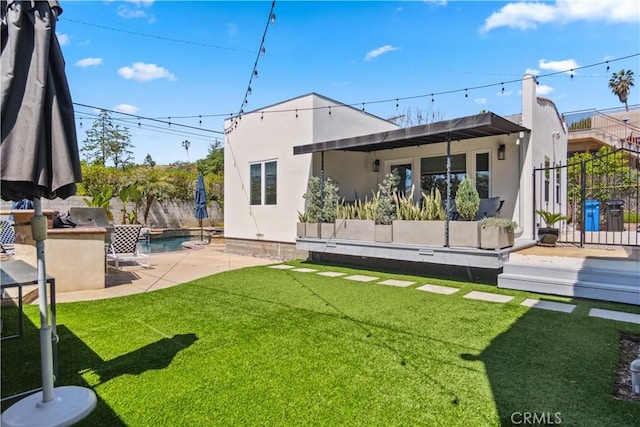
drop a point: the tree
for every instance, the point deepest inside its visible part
(620, 84)
(186, 144)
(410, 118)
(148, 161)
(120, 147)
(154, 185)
(214, 162)
(105, 141)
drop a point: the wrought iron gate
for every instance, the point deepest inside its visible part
(599, 194)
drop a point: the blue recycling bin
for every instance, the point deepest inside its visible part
(592, 215)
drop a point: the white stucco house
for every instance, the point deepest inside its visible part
(271, 153)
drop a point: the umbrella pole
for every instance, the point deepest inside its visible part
(39, 231)
(60, 406)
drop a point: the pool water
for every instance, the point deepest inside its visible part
(164, 244)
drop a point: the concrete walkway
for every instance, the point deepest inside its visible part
(167, 269)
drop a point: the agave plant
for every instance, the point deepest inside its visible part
(550, 218)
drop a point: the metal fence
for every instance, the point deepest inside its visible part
(601, 201)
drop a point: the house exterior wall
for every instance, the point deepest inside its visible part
(270, 135)
(541, 116)
(264, 135)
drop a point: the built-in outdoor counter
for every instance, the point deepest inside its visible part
(75, 257)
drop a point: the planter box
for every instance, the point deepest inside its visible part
(383, 233)
(355, 229)
(464, 234)
(419, 232)
(312, 230)
(301, 229)
(327, 230)
(495, 238)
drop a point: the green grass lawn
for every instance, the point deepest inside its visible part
(261, 346)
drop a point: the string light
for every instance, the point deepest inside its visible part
(254, 72)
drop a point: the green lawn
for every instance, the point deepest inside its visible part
(261, 346)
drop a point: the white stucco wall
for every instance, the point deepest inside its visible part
(269, 134)
(541, 116)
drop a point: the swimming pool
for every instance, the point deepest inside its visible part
(164, 244)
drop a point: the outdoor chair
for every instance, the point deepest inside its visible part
(7, 237)
(489, 207)
(124, 246)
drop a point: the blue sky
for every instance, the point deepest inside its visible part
(161, 59)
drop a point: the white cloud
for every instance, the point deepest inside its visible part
(543, 90)
(532, 71)
(145, 72)
(137, 11)
(379, 51)
(126, 108)
(528, 15)
(63, 39)
(556, 66)
(88, 62)
(480, 101)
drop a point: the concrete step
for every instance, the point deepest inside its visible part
(544, 284)
(626, 274)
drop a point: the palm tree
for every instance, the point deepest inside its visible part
(620, 84)
(154, 185)
(186, 144)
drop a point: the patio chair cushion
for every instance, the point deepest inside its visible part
(489, 207)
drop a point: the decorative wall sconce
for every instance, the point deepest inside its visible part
(375, 166)
(501, 151)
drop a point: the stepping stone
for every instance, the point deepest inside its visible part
(331, 274)
(281, 266)
(398, 283)
(436, 289)
(360, 278)
(486, 296)
(304, 270)
(615, 315)
(548, 305)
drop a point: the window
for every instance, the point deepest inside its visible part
(482, 174)
(270, 183)
(256, 184)
(433, 173)
(264, 183)
(406, 178)
(558, 181)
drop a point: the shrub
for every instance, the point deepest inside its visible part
(467, 200)
(386, 208)
(322, 200)
(432, 209)
(509, 224)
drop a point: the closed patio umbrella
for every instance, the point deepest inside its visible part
(38, 158)
(201, 203)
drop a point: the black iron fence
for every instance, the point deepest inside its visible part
(601, 204)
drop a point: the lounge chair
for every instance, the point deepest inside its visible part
(124, 245)
(7, 237)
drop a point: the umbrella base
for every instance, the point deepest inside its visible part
(69, 405)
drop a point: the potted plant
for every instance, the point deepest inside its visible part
(356, 221)
(466, 233)
(417, 224)
(548, 236)
(496, 233)
(322, 208)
